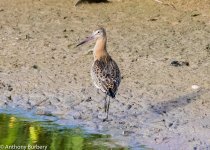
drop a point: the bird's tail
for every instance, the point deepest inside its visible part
(111, 93)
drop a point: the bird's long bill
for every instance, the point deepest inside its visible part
(91, 37)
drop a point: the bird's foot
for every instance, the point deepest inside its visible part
(105, 119)
(107, 116)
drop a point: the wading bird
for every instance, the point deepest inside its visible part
(104, 72)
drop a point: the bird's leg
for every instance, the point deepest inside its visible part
(98, 91)
(105, 104)
(107, 112)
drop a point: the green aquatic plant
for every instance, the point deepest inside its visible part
(19, 132)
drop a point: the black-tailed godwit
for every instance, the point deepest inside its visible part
(104, 72)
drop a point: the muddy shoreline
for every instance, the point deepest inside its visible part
(162, 49)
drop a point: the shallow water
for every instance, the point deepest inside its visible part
(18, 132)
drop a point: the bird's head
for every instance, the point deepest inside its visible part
(100, 33)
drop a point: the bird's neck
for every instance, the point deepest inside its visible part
(100, 49)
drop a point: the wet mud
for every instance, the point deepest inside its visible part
(161, 47)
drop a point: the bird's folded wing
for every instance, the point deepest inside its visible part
(107, 74)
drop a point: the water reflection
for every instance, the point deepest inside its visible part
(15, 131)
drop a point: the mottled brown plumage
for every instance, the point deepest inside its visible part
(106, 75)
(104, 72)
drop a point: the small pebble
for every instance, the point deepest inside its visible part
(88, 99)
(10, 88)
(195, 15)
(129, 106)
(170, 124)
(176, 63)
(153, 19)
(35, 66)
(195, 87)
(9, 97)
(127, 133)
(43, 112)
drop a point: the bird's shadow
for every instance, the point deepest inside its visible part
(181, 101)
